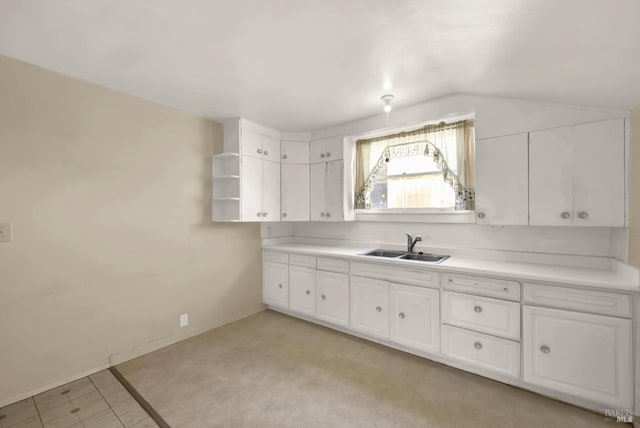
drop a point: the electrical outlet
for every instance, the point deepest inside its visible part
(184, 320)
(5, 232)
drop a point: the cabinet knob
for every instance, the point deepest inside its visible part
(323, 297)
(545, 349)
(284, 215)
(279, 285)
(583, 214)
(307, 292)
(259, 214)
(401, 315)
(328, 154)
(378, 309)
(284, 156)
(328, 215)
(565, 214)
(478, 309)
(266, 153)
(259, 151)
(264, 214)
(321, 214)
(477, 345)
(322, 155)
(481, 215)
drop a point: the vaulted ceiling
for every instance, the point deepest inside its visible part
(307, 64)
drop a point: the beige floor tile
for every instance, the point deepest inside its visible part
(129, 412)
(90, 404)
(104, 419)
(146, 423)
(60, 417)
(51, 399)
(103, 378)
(31, 422)
(115, 394)
(79, 388)
(17, 412)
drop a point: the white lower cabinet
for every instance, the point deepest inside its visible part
(332, 297)
(275, 284)
(481, 350)
(415, 317)
(588, 356)
(370, 306)
(302, 290)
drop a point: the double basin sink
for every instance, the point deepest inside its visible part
(403, 255)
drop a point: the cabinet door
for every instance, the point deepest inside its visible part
(332, 297)
(294, 152)
(334, 191)
(302, 289)
(295, 192)
(270, 149)
(588, 356)
(599, 168)
(333, 148)
(251, 188)
(270, 191)
(250, 143)
(275, 289)
(415, 317)
(318, 177)
(502, 180)
(370, 306)
(317, 151)
(551, 177)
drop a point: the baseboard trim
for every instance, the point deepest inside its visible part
(140, 399)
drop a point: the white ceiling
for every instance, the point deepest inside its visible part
(307, 64)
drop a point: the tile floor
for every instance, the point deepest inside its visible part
(271, 370)
(97, 401)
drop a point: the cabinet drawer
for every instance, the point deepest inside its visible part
(276, 257)
(402, 275)
(482, 351)
(484, 314)
(304, 261)
(580, 300)
(333, 265)
(482, 286)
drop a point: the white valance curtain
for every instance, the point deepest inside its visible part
(450, 145)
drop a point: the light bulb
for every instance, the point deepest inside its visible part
(387, 108)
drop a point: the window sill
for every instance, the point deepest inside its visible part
(417, 216)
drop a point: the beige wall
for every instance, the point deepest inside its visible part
(109, 199)
(634, 189)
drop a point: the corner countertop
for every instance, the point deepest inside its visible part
(576, 276)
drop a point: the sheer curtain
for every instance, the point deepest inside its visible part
(455, 142)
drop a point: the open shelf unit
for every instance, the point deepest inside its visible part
(226, 187)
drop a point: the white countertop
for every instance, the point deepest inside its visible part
(570, 275)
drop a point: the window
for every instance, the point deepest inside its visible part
(428, 168)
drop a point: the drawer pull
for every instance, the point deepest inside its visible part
(284, 156)
(477, 345)
(565, 214)
(545, 349)
(323, 297)
(308, 292)
(266, 153)
(279, 285)
(401, 315)
(478, 309)
(378, 309)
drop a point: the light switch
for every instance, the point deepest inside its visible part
(5, 232)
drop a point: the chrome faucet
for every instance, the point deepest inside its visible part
(411, 242)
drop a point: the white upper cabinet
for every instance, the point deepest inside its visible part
(295, 203)
(252, 143)
(270, 191)
(501, 180)
(576, 175)
(326, 194)
(294, 152)
(327, 149)
(259, 189)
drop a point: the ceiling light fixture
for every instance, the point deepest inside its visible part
(387, 102)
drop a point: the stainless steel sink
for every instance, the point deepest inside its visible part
(430, 258)
(403, 255)
(384, 253)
